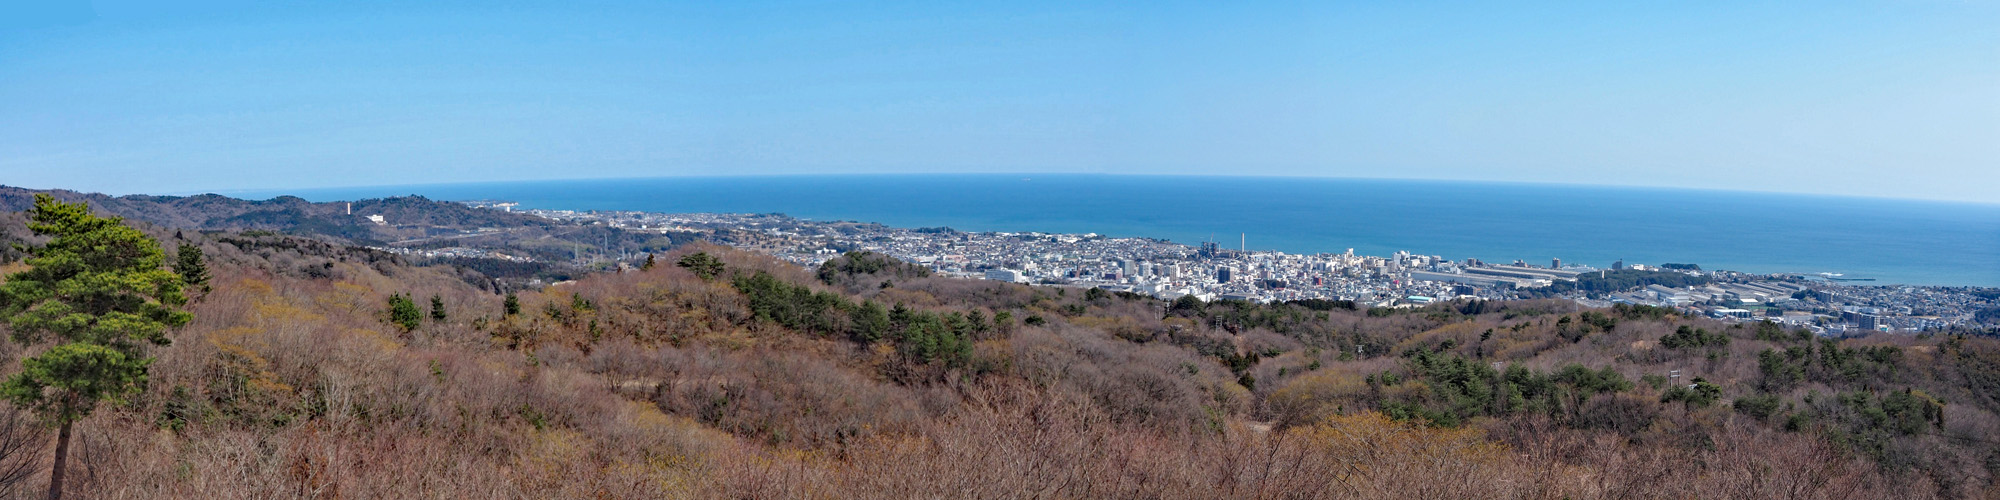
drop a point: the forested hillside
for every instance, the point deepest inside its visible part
(407, 217)
(319, 370)
(537, 248)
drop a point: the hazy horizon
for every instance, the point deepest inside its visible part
(1869, 99)
(267, 193)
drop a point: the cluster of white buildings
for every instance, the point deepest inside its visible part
(453, 252)
(1170, 270)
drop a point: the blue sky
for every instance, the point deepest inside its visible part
(1890, 98)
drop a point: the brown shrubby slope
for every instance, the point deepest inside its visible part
(771, 381)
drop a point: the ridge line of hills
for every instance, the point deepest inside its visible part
(411, 215)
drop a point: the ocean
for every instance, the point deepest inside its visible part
(1889, 241)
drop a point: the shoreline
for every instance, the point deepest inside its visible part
(1891, 241)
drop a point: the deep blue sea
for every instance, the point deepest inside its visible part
(1892, 241)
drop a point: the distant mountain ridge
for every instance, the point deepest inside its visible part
(403, 216)
(554, 249)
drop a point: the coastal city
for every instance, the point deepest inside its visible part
(1216, 271)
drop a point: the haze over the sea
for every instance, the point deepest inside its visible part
(1892, 241)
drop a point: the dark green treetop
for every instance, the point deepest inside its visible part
(403, 312)
(702, 264)
(96, 281)
(190, 264)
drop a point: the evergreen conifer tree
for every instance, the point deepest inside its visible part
(98, 291)
(705, 266)
(437, 308)
(403, 312)
(192, 266)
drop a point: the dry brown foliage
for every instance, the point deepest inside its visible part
(657, 384)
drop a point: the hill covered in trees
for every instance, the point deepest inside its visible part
(539, 248)
(407, 216)
(313, 369)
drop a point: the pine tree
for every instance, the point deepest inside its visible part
(705, 266)
(869, 323)
(99, 291)
(191, 265)
(648, 266)
(512, 305)
(403, 312)
(437, 308)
